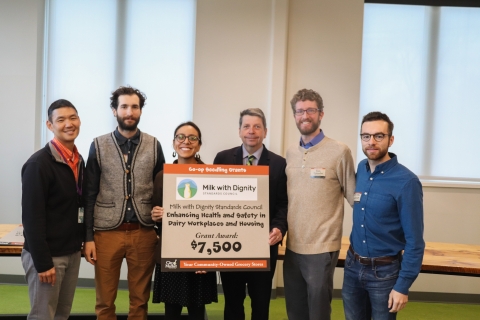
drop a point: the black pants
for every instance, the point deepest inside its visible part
(259, 285)
(174, 312)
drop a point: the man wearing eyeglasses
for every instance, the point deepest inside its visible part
(387, 219)
(252, 131)
(320, 174)
(119, 177)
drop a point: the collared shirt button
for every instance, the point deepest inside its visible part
(303, 166)
(362, 225)
(364, 241)
(371, 178)
(128, 208)
(382, 172)
(363, 208)
(365, 193)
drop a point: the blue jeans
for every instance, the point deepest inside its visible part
(366, 289)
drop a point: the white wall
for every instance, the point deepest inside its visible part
(19, 30)
(240, 59)
(250, 53)
(324, 54)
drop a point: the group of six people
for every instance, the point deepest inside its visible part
(111, 206)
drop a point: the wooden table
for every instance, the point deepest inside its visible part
(9, 250)
(439, 258)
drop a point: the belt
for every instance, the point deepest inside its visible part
(127, 226)
(379, 261)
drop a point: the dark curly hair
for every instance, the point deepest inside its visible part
(126, 91)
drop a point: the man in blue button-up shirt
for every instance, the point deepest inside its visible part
(387, 219)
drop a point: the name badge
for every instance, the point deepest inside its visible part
(317, 173)
(80, 215)
(357, 196)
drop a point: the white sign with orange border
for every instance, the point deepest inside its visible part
(216, 218)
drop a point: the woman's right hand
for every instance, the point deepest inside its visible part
(157, 213)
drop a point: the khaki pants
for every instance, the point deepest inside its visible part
(137, 247)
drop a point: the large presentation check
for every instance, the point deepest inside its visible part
(216, 217)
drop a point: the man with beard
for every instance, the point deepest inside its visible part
(252, 131)
(320, 174)
(119, 178)
(387, 219)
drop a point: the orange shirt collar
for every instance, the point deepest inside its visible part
(71, 156)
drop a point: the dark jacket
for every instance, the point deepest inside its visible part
(278, 200)
(50, 205)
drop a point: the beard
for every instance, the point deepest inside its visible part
(304, 131)
(126, 127)
(381, 153)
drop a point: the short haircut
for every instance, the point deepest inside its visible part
(126, 91)
(307, 94)
(255, 112)
(378, 116)
(60, 103)
(191, 124)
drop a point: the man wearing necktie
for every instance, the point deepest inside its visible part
(252, 131)
(250, 159)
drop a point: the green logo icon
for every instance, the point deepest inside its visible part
(187, 188)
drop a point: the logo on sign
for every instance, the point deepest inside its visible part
(171, 264)
(187, 188)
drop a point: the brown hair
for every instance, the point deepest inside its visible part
(307, 94)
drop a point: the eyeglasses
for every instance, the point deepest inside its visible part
(182, 137)
(377, 136)
(308, 111)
